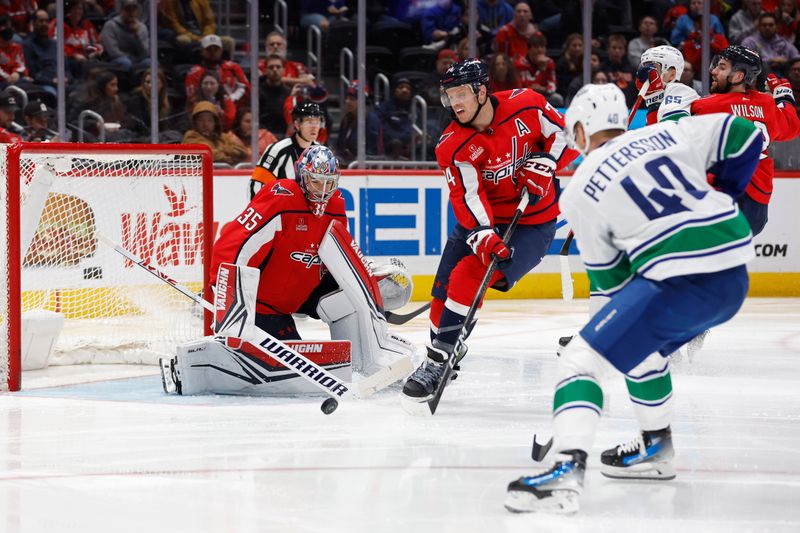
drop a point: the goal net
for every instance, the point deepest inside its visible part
(153, 200)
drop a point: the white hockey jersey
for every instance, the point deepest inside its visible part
(641, 204)
(677, 102)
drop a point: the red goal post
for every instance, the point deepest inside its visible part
(156, 200)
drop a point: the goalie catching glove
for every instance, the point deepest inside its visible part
(536, 175)
(394, 282)
(655, 92)
(485, 243)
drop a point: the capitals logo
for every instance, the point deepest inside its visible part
(280, 190)
(500, 168)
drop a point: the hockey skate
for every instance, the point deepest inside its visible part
(648, 456)
(169, 375)
(556, 490)
(562, 343)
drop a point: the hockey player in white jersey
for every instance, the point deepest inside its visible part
(669, 250)
(666, 97)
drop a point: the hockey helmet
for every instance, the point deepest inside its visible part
(742, 59)
(317, 173)
(666, 56)
(472, 72)
(307, 109)
(597, 108)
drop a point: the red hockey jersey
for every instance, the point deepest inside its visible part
(479, 166)
(279, 235)
(776, 124)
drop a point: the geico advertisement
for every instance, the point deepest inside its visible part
(408, 216)
(405, 216)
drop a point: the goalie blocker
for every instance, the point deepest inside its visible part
(354, 312)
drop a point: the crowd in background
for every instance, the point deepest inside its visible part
(204, 87)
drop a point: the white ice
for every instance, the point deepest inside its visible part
(118, 455)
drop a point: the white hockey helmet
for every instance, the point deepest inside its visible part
(597, 108)
(666, 56)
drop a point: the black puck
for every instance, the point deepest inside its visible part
(329, 405)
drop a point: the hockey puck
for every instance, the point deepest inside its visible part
(329, 406)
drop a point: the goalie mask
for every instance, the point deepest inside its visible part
(597, 108)
(317, 173)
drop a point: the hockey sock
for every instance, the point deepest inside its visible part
(437, 306)
(650, 389)
(578, 399)
(450, 323)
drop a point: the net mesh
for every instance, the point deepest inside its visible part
(113, 311)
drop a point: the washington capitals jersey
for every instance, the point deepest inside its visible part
(480, 167)
(278, 234)
(777, 123)
(640, 205)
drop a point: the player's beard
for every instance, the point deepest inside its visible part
(716, 88)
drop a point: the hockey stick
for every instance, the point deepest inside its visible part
(567, 289)
(267, 344)
(433, 403)
(398, 319)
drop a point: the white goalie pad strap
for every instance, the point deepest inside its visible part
(235, 300)
(373, 346)
(40, 331)
(225, 365)
(394, 282)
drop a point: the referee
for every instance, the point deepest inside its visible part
(278, 159)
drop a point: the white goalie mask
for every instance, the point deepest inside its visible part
(666, 57)
(597, 108)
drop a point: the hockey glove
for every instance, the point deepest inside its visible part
(485, 243)
(536, 175)
(655, 93)
(781, 90)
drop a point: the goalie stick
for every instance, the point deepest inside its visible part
(433, 403)
(567, 289)
(267, 344)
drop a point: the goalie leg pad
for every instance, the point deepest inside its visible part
(235, 300)
(40, 331)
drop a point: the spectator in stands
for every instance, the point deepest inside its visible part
(316, 94)
(191, 20)
(648, 30)
(9, 130)
(294, 71)
(139, 107)
(494, 14)
(81, 41)
(125, 38)
(743, 22)
(321, 13)
(37, 123)
(793, 75)
(211, 90)
(577, 82)
(572, 19)
(346, 143)
(229, 74)
(690, 22)
(103, 98)
(503, 75)
(619, 71)
(687, 78)
(272, 93)
(40, 53)
(483, 38)
(395, 116)
(463, 50)
(512, 39)
(570, 63)
(538, 72)
(242, 133)
(773, 49)
(438, 21)
(788, 19)
(428, 87)
(600, 78)
(20, 12)
(206, 129)
(693, 51)
(12, 59)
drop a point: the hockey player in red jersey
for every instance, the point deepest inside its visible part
(734, 78)
(496, 145)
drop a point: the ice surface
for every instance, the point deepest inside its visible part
(81, 451)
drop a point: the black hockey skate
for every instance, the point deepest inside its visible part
(562, 343)
(556, 490)
(169, 375)
(648, 456)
